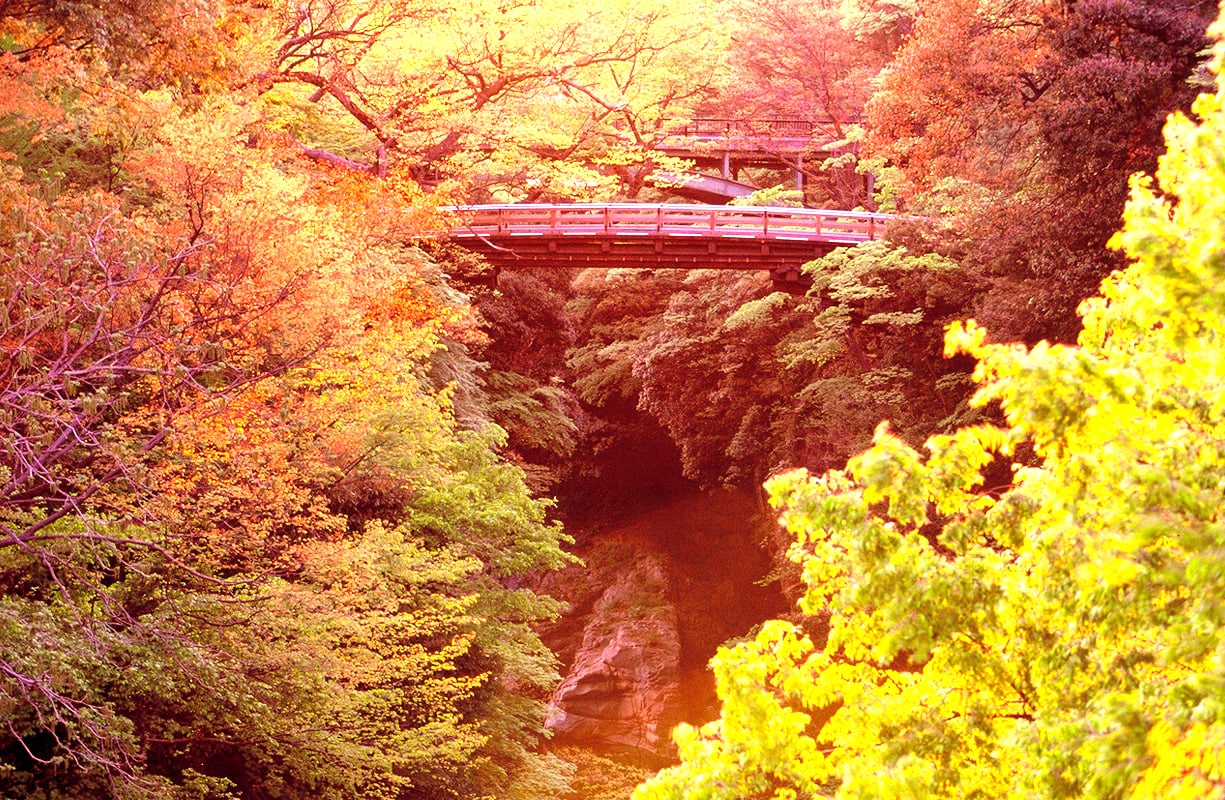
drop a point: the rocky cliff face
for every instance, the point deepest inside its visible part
(658, 595)
(622, 686)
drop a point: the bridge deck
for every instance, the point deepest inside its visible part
(639, 235)
(666, 220)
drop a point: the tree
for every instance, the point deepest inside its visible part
(813, 61)
(153, 42)
(246, 548)
(1058, 635)
(744, 379)
(798, 57)
(541, 98)
(1018, 124)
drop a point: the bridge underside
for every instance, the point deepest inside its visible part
(782, 258)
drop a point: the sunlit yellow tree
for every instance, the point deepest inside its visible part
(1056, 635)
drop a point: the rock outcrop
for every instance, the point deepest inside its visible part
(657, 596)
(621, 690)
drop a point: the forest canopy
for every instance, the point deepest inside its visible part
(246, 547)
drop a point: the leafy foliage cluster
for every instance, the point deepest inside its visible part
(505, 100)
(1019, 123)
(247, 547)
(1010, 128)
(1055, 637)
(257, 534)
(746, 380)
(813, 61)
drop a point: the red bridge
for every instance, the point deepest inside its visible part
(639, 235)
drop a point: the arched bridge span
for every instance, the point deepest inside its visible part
(660, 236)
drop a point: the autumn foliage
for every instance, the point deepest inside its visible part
(1053, 635)
(245, 547)
(272, 458)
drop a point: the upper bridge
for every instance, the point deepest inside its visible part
(762, 136)
(730, 144)
(660, 236)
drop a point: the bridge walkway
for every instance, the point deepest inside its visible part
(659, 236)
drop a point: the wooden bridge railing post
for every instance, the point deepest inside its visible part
(871, 227)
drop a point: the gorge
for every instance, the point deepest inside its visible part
(294, 495)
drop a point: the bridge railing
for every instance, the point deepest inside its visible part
(726, 126)
(642, 219)
(759, 127)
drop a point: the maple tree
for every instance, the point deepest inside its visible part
(151, 42)
(258, 532)
(798, 58)
(1057, 636)
(812, 63)
(1018, 124)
